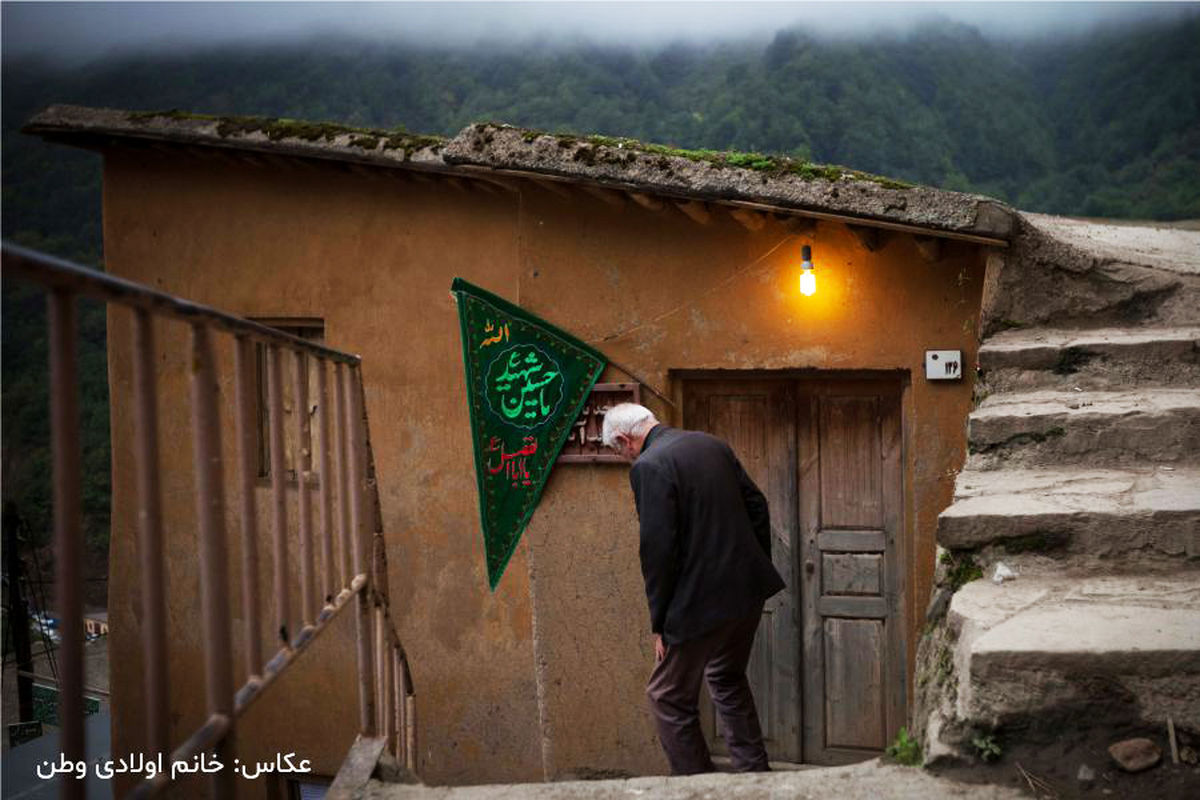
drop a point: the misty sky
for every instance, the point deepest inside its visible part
(80, 31)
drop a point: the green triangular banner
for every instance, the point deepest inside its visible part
(526, 384)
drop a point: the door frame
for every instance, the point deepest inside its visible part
(897, 382)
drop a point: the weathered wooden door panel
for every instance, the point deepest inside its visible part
(850, 495)
(854, 691)
(757, 419)
(758, 671)
(849, 451)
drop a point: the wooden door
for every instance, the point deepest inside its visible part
(758, 420)
(850, 446)
(828, 665)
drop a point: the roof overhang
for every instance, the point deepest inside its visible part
(615, 170)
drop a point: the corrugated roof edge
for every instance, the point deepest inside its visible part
(620, 163)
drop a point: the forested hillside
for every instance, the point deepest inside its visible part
(1107, 125)
(1103, 125)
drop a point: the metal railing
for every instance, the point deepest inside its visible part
(352, 565)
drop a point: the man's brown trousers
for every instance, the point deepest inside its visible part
(719, 657)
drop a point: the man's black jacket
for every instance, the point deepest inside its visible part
(705, 534)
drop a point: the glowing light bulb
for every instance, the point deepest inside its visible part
(808, 281)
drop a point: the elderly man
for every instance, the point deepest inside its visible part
(706, 560)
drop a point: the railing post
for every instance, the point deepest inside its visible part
(153, 582)
(358, 536)
(377, 665)
(245, 387)
(386, 698)
(210, 516)
(344, 546)
(379, 575)
(410, 722)
(303, 459)
(68, 536)
(278, 491)
(326, 478)
(397, 710)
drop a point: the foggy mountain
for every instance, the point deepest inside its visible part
(1103, 124)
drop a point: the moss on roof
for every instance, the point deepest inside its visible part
(776, 165)
(277, 128)
(587, 145)
(793, 184)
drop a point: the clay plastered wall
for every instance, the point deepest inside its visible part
(658, 292)
(373, 257)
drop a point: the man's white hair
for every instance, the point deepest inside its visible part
(627, 419)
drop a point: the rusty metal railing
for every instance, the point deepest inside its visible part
(352, 566)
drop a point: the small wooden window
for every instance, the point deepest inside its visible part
(312, 330)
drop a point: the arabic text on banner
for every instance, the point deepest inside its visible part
(526, 383)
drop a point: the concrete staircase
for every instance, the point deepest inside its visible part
(1083, 478)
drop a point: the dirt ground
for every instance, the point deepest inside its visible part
(1053, 762)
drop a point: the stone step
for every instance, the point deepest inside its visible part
(1068, 350)
(1061, 273)
(1099, 359)
(1117, 518)
(1110, 650)
(1157, 425)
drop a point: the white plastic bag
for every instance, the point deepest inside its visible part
(1002, 573)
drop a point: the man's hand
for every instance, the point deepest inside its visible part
(660, 649)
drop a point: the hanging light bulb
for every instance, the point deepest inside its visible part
(808, 281)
